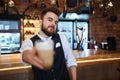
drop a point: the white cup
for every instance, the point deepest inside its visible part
(45, 51)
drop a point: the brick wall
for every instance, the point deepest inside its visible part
(101, 27)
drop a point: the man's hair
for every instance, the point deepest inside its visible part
(51, 9)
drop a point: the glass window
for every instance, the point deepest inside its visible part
(9, 36)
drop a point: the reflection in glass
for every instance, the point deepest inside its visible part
(10, 42)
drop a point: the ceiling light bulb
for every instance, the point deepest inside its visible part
(11, 3)
(110, 4)
(53, 1)
(100, 5)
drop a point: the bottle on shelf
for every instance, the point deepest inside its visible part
(32, 25)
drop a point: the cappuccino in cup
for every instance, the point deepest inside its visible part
(45, 51)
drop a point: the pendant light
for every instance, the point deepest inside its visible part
(11, 3)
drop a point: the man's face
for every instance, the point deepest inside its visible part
(49, 23)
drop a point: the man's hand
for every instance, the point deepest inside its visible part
(30, 56)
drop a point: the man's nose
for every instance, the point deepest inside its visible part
(53, 23)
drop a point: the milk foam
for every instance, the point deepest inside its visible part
(45, 45)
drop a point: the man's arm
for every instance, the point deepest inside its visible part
(73, 72)
(71, 60)
(29, 56)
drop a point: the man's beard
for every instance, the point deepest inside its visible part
(48, 33)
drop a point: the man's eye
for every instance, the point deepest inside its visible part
(56, 23)
(49, 19)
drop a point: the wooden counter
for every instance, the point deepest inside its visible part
(92, 56)
(83, 57)
(11, 63)
(12, 68)
(98, 64)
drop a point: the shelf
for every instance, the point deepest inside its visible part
(30, 28)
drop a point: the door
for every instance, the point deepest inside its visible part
(80, 35)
